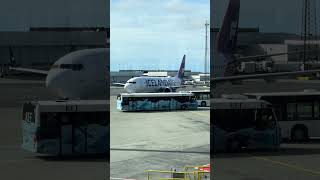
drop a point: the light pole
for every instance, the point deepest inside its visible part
(206, 49)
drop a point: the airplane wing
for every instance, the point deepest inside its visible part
(37, 71)
(118, 84)
(264, 75)
(266, 55)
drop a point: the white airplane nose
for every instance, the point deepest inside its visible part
(50, 81)
(53, 82)
(128, 88)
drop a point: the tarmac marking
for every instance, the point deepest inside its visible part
(167, 139)
(115, 178)
(299, 168)
(200, 114)
(17, 160)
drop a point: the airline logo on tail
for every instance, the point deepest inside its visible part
(226, 40)
(227, 36)
(181, 69)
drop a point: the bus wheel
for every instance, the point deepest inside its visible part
(203, 104)
(299, 134)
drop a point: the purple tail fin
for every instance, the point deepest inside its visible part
(181, 69)
(227, 36)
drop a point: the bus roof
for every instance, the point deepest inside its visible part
(171, 94)
(72, 105)
(226, 103)
(278, 94)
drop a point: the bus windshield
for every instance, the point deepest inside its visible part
(236, 119)
(243, 124)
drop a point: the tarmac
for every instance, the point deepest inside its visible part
(162, 140)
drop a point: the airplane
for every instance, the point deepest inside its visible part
(225, 63)
(147, 84)
(83, 73)
(80, 74)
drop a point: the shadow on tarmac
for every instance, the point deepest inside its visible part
(166, 111)
(77, 158)
(161, 151)
(295, 148)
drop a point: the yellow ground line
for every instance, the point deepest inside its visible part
(290, 166)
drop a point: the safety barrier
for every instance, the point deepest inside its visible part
(189, 173)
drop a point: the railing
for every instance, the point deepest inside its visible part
(175, 175)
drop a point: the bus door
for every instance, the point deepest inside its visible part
(66, 139)
(73, 133)
(266, 130)
(48, 134)
(77, 130)
(79, 136)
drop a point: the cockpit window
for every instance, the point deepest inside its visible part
(74, 67)
(131, 82)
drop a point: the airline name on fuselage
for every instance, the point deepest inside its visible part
(159, 82)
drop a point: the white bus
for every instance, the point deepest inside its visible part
(243, 124)
(66, 127)
(202, 97)
(298, 112)
(156, 101)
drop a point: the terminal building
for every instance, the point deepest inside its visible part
(43, 46)
(252, 42)
(37, 33)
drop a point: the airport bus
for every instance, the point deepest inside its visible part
(156, 101)
(73, 127)
(243, 124)
(298, 112)
(202, 97)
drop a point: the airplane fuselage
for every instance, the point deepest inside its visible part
(80, 74)
(152, 84)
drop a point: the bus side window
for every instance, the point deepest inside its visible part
(316, 109)
(125, 101)
(305, 111)
(99, 118)
(49, 120)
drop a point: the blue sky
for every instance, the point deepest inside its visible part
(155, 34)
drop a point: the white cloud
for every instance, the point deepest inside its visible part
(156, 33)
